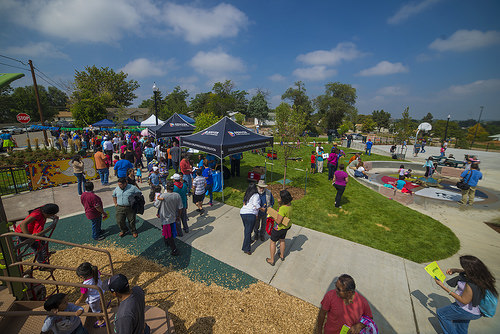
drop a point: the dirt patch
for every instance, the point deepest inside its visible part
(333, 215)
(194, 306)
(384, 227)
(297, 193)
(494, 226)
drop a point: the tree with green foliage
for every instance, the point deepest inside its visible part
(240, 118)
(428, 118)
(337, 101)
(222, 99)
(481, 134)
(7, 115)
(369, 124)
(204, 120)
(403, 127)
(175, 102)
(381, 118)
(345, 127)
(150, 103)
(199, 104)
(290, 123)
(52, 101)
(100, 88)
(257, 107)
(301, 101)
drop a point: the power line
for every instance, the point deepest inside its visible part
(52, 81)
(14, 59)
(24, 69)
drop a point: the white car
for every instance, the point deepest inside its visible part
(13, 130)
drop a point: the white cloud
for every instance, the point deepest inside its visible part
(216, 64)
(277, 77)
(37, 50)
(410, 9)
(392, 91)
(384, 68)
(142, 67)
(275, 101)
(479, 86)
(314, 73)
(343, 51)
(197, 24)
(465, 40)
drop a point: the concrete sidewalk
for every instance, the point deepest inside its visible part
(403, 297)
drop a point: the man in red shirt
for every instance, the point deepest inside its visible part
(186, 171)
(343, 306)
(93, 210)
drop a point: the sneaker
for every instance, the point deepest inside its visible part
(101, 237)
(460, 202)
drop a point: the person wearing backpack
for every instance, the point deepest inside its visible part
(475, 295)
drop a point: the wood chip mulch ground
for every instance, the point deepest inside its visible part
(196, 307)
(297, 193)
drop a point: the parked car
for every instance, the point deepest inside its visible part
(357, 136)
(13, 130)
(334, 133)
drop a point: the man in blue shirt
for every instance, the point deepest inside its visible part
(122, 166)
(369, 145)
(121, 195)
(207, 174)
(471, 177)
(266, 201)
(235, 164)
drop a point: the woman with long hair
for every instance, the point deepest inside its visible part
(278, 233)
(472, 282)
(248, 213)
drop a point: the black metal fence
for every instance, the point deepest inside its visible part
(13, 180)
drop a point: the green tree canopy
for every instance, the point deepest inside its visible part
(297, 95)
(337, 101)
(175, 102)
(7, 115)
(481, 134)
(404, 127)
(454, 130)
(204, 120)
(381, 119)
(23, 100)
(88, 111)
(257, 107)
(428, 118)
(369, 124)
(222, 99)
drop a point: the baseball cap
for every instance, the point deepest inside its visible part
(176, 177)
(155, 168)
(118, 283)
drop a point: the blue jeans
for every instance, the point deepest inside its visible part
(189, 181)
(454, 319)
(248, 224)
(368, 151)
(81, 181)
(96, 227)
(104, 174)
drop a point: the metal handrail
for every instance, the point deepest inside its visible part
(50, 266)
(76, 285)
(37, 237)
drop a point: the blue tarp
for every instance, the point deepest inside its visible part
(105, 123)
(131, 122)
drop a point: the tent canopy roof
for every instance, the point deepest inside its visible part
(104, 123)
(187, 119)
(225, 138)
(131, 122)
(173, 127)
(151, 121)
(7, 78)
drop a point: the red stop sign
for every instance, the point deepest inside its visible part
(23, 118)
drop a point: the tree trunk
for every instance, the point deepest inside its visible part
(284, 176)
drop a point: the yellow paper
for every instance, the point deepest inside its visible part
(436, 272)
(344, 329)
(106, 216)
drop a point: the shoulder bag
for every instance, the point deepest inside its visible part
(464, 185)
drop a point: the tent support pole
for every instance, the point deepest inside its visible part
(222, 173)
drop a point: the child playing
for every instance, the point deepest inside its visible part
(154, 177)
(401, 172)
(115, 159)
(313, 162)
(138, 174)
(408, 173)
(91, 276)
(62, 324)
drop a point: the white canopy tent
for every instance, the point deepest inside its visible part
(151, 121)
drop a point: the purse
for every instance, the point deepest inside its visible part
(462, 184)
(269, 224)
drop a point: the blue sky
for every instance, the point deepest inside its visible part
(438, 56)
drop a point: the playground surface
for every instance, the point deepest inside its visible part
(403, 297)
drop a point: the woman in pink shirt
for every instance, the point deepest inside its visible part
(339, 182)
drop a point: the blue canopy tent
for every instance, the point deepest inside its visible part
(225, 138)
(131, 122)
(187, 119)
(105, 123)
(173, 127)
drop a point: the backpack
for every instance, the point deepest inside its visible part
(488, 304)
(269, 224)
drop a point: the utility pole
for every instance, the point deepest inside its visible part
(38, 102)
(477, 126)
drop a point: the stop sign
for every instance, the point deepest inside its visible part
(23, 118)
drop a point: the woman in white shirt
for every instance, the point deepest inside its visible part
(248, 213)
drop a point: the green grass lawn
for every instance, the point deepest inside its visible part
(371, 219)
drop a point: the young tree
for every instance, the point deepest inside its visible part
(300, 100)
(481, 133)
(257, 107)
(204, 120)
(381, 118)
(339, 100)
(369, 124)
(403, 126)
(290, 123)
(240, 118)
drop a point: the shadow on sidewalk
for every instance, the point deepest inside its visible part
(431, 303)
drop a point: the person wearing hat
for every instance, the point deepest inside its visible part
(130, 317)
(266, 200)
(154, 176)
(181, 188)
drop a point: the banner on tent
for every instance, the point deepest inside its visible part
(201, 147)
(46, 174)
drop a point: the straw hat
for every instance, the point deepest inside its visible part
(261, 184)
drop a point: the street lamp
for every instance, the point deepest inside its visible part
(155, 92)
(446, 129)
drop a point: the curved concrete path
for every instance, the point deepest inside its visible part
(403, 297)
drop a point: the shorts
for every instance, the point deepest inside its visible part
(95, 306)
(278, 235)
(313, 165)
(198, 198)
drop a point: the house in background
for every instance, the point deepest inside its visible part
(120, 114)
(64, 116)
